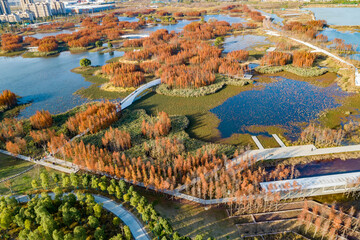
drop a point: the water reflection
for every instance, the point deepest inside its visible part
(48, 82)
(342, 16)
(285, 102)
(238, 42)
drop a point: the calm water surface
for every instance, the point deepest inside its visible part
(238, 42)
(41, 35)
(349, 37)
(48, 82)
(285, 102)
(342, 16)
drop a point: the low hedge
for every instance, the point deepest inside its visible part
(303, 72)
(220, 82)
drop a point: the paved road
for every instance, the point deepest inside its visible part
(137, 229)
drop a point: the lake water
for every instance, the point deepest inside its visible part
(238, 42)
(41, 35)
(285, 102)
(48, 82)
(275, 18)
(342, 16)
(349, 37)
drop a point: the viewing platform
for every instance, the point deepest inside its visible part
(313, 186)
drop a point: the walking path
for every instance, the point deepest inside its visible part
(126, 102)
(137, 229)
(317, 49)
(318, 185)
(62, 167)
(135, 35)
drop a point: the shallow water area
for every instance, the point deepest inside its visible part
(285, 102)
(239, 42)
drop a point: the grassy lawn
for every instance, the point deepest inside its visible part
(203, 124)
(10, 166)
(22, 183)
(191, 219)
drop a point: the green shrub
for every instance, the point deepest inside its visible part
(85, 62)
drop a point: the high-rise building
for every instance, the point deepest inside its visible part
(12, 17)
(57, 7)
(39, 9)
(4, 7)
(23, 3)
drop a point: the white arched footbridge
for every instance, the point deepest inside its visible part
(132, 96)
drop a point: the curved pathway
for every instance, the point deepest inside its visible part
(137, 229)
(320, 50)
(132, 96)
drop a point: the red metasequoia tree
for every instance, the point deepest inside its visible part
(7, 99)
(303, 59)
(11, 128)
(239, 55)
(11, 42)
(41, 119)
(116, 140)
(95, 117)
(16, 147)
(159, 128)
(276, 59)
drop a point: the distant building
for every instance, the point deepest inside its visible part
(4, 7)
(43, 9)
(88, 8)
(57, 7)
(39, 9)
(10, 18)
(26, 15)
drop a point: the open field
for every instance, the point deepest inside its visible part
(10, 166)
(22, 183)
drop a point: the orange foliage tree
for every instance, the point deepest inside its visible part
(94, 118)
(116, 140)
(11, 42)
(276, 59)
(239, 55)
(159, 128)
(303, 59)
(16, 147)
(10, 128)
(7, 99)
(41, 119)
